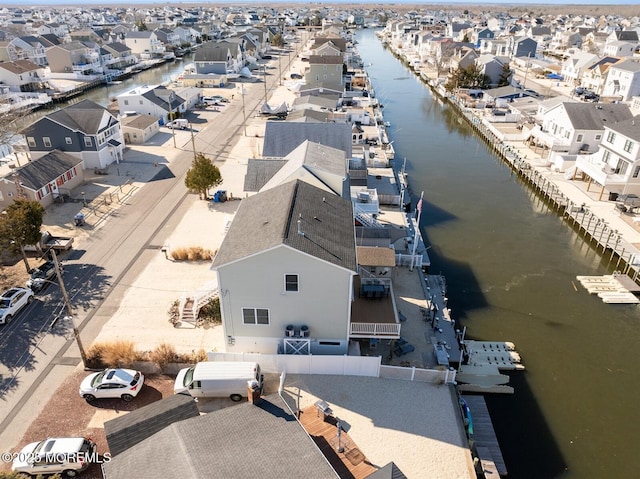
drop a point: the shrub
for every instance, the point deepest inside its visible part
(119, 354)
(174, 312)
(164, 354)
(210, 312)
(192, 253)
(199, 356)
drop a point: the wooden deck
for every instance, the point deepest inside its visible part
(484, 437)
(349, 464)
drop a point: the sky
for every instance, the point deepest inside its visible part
(329, 2)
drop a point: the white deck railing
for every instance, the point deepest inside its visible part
(378, 330)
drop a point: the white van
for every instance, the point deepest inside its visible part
(218, 379)
(180, 124)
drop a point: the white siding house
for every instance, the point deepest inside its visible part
(285, 272)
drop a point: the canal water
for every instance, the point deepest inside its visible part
(510, 264)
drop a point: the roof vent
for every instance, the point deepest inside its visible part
(300, 232)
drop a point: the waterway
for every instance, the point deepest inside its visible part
(510, 264)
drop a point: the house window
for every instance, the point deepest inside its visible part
(606, 155)
(32, 141)
(126, 102)
(628, 146)
(622, 167)
(579, 138)
(141, 102)
(611, 137)
(291, 283)
(255, 316)
(67, 140)
(598, 137)
(87, 141)
(47, 141)
(636, 171)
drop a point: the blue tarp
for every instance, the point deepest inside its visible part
(555, 76)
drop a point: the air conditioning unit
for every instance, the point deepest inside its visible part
(304, 331)
(290, 331)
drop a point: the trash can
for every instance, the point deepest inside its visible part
(613, 196)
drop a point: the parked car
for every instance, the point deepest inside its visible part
(57, 455)
(579, 91)
(589, 95)
(215, 98)
(41, 276)
(112, 383)
(12, 301)
(179, 124)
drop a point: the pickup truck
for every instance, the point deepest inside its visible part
(41, 276)
(48, 241)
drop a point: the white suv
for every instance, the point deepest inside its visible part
(12, 301)
(59, 455)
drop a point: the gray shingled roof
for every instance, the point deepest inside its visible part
(593, 116)
(215, 51)
(307, 115)
(270, 219)
(629, 128)
(160, 95)
(259, 171)
(320, 101)
(35, 174)
(20, 66)
(84, 116)
(281, 138)
(245, 440)
(126, 431)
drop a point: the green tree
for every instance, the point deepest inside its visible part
(20, 225)
(470, 77)
(202, 175)
(505, 76)
(277, 40)
(141, 26)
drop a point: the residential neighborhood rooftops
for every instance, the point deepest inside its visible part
(35, 174)
(590, 116)
(85, 116)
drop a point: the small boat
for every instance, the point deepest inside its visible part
(466, 415)
(387, 124)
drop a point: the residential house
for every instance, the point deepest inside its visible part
(85, 130)
(619, 48)
(316, 102)
(219, 57)
(84, 36)
(491, 66)
(616, 165)
(316, 164)
(43, 179)
(623, 80)
(188, 36)
(138, 129)
(168, 37)
(121, 56)
(481, 33)
(75, 57)
(28, 48)
(595, 75)
(576, 64)
(325, 71)
(157, 101)
(495, 46)
(278, 446)
(571, 128)
(524, 47)
(22, 75)
(281, 138)
(287, 250)
(145, 44)
(336, 41)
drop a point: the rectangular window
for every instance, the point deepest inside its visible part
(126, 102)
(606, 155)
(598, 137)
(636, 171)
(32, 141)
(579, 138)
(611, 136)
(47, 141)
(291, 282)
(622, 167)
(67, 140)
(255, 316)
(628, 146)
(87, 141)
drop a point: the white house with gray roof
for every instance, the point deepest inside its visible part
(623, 80)
(286, 267)
(571, 128)
(616, 165)
(281, 138)
(155, 100)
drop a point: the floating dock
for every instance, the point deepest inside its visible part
(484, 439)
(502, 355)
(612, 289)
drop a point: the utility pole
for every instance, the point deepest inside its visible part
(193, 142)
(171, 118)
(67, 303)
(280, 64)
(264, 77)
(244, 113)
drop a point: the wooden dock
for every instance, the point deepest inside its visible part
(351, 463)
(484, 438)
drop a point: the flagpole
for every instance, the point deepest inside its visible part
(417, 230)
